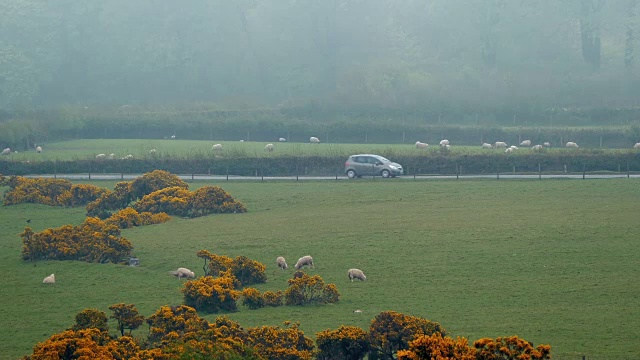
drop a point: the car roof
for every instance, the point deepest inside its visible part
(374, 155)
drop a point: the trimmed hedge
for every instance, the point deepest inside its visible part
(433, 163)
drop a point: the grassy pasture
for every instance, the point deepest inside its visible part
(88, 149)
(552, 261)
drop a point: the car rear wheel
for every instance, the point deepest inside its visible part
(351, 174)
(385, 173)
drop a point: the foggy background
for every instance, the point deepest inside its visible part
(394, 54)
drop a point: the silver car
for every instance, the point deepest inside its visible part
(373, 165)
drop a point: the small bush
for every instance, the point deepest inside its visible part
(273, 298)
(178, 320)
(128, 217)
(252, 299)
(310, 289)
(80, 195)
(173, 201)
(248, 271)
(272, 342)
(154, 181)
(511, 347)
(91, 319)
(211, 295)
(436, 346)
(391, 331)
(347, 342)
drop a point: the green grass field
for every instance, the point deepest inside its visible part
(88, 149)
(552, 261)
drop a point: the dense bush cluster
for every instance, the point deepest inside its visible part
(177, 332)
(94, 241)
(53, 192)
(128, 217)
(161, 191)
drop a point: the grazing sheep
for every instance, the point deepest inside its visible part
(127, 157)
(525, 143)
(508, 150)
(537, 147)
(357, 311)
(356, 274)
(636, 146)
(421, 145)
(51, 279)
(100, 156)
(500, 144)
(314, 140)
(304, 261)
(268, 147)
(446, 147)
(282, 264)
(6, 151)
(282, 140)
(444, 142)
(241, 140)
(39, 149)
(217, 147)
(572, 145)
(173, 137)
(546, 144)
(152, 151)
(486, 146)
(513, 147)
(111, 156)
(183, 273)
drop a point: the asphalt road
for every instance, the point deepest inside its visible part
(306, 178)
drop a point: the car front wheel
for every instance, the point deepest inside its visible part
(385, 173)
(351, 174)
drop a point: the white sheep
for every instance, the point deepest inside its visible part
(51, 279)
(537, 147)
(268, 147)
(446, 147)
(282, 140)
(314, 140)
(127, 157)
(100, 156)
(217, 147)
(173, 137)
(525, 143)
(6, 151)
(508, 150)
(241, 140)
(444, 142)
(486, 146)
(546, 144)
(111, 156)
(282, 264)
(356, 274)
(183, 273)
(39, 149)
(152, 152)
(421, 145)
(304, 261)
(513, 147)
(500, 144)
(572, 145)
(636, 146)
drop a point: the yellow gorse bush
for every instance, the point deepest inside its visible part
(437, 347)
(347, 342)
(92, 241)
(210, 294)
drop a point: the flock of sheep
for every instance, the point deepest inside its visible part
(353, 274)
(508, 149)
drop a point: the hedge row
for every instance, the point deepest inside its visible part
(436, 163)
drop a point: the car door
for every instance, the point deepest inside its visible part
(361, 165)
